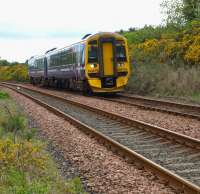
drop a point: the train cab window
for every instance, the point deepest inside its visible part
(93, 42)
(120, 53)
(92, 54)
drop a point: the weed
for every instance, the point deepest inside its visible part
(165, 80)
(3, 95)
(25, 166)
(75, 186)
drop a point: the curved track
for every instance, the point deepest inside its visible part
(172, 156)
(189, 110)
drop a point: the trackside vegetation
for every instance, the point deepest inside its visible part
(13, 71)
(166, 59)
(25, 165)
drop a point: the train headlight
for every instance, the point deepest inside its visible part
(93, 65)
(120, 64)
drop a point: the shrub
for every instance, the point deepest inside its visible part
(16, 72)
(25, 166)
(3, 95)
(166, 59)
(163, 79)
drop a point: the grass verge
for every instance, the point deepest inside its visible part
(164, 80)
(25, 165)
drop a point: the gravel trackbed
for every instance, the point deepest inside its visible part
(103, 171)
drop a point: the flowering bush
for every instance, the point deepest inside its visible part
(192, 55)
(166, 61)
(25, 166)
(23, 156)
(179, 49)
(17, 72)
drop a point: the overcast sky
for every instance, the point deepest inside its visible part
(29, 27)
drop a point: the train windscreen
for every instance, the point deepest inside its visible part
(120, 53)
(93, 54)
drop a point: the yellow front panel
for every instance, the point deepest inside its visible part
(95, 83)
(108, 59)
(122, 81)
(108, 66)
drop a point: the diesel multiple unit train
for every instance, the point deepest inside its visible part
(99, 63)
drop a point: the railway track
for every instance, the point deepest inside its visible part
(189, 110)
(173, 157)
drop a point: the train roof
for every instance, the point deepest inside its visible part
(85, 39)
(99, 34)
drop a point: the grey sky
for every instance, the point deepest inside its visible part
(29, 27)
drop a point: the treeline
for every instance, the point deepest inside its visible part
(166, 58)
(166, 44)
(13, 71)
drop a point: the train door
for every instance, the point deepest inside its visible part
(108, 67)
(108, 64)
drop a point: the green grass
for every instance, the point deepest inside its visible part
(27, 168)
(196, 97)
(165, 80)
(3, 95)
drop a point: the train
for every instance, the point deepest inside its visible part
(99, 63)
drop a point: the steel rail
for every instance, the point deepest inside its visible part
(187, 110)
(172, 178)
(176, 108)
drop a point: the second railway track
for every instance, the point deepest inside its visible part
(188, 110)
(168, 154)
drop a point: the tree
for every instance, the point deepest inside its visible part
(173, 11)
(131, 29)
(4, 62)
(191, 9)
(179, 12)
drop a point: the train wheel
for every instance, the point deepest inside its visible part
(45, 82)
(33, 81)
(86, 90)
(67, 84)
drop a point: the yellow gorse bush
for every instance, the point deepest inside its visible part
(14, 72)
(183, 47)
(192, 55)
(24, 156)
(149, 46)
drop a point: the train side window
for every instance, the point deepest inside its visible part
(58, 59)
(53, 59)
(77, 53)
(31, 64)
(120, 53)
(61, 58)
(71, 57)
(65, 55)
(40, 64)
(74, 55)
(92, 54)
(37, 64)
(82, 54)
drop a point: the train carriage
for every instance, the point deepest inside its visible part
(99, 63)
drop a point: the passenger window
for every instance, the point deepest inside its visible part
(120, 53)
(82, 54)
(92, 54)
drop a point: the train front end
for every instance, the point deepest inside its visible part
(107, 66)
